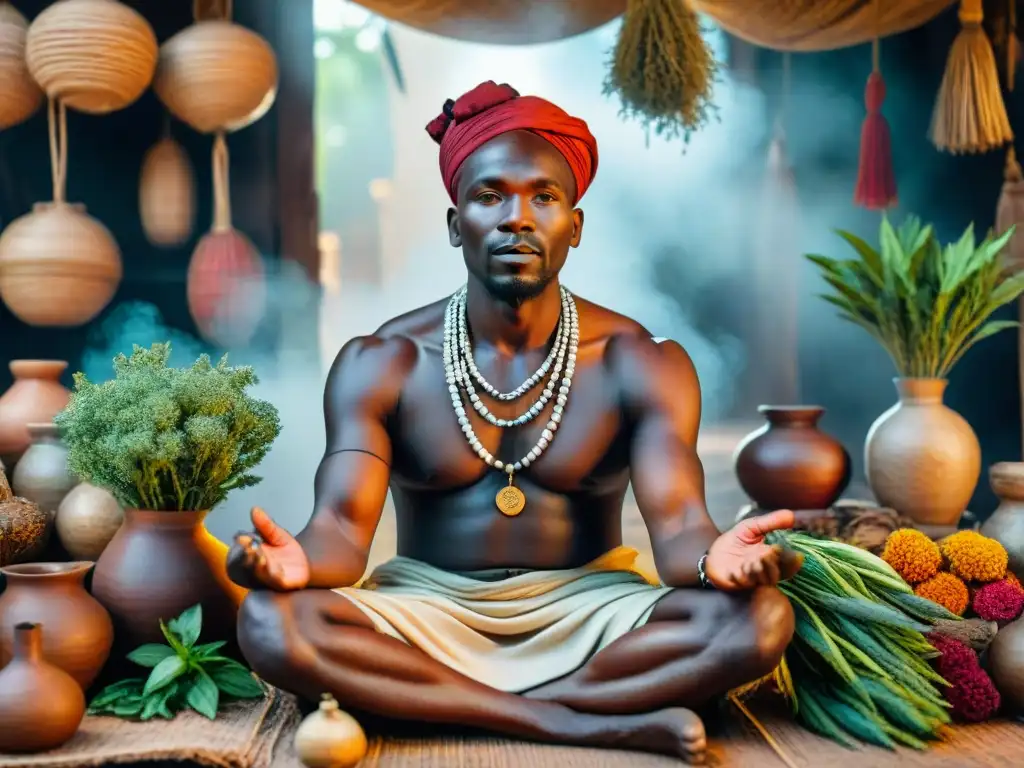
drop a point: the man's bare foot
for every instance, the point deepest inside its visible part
(677, 732)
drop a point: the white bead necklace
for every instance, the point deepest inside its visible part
(457, 357)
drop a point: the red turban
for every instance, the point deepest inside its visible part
(489, 110)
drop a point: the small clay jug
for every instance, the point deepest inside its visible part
(921, 457)
(79, 632)
(791, 464)
(157, 565)
(1006, 666)
(1006, 524)
(36, 396)
(41, 705)
(42, 475)
(87, 519)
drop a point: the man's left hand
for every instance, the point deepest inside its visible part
(740, 560)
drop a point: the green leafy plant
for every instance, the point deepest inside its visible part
(170, 439)
(184, 675)
(924, 302)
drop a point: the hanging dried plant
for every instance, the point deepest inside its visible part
(662, 68)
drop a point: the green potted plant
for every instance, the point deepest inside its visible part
(169, 444)
(926, 303)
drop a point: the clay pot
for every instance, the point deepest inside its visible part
(1006, 524)
(79, 631)
(789, 463)
(41, 706)
(216, 75)
(20, 97)
(35, 397)
(42, 475)
(87, 520)
(24, 527)
(58, 265)
(157, 565)
(1006, 666)
(921, 458)
(96, 56)
(226, 288)
(167, 194)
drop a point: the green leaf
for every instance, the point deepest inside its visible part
(116, 690)
(188, 625)
(163, 673)
(207, 649)
(173, 640)
(150, 655)
(236, 681)
(129, 706)
(156, 703)
(203, 695)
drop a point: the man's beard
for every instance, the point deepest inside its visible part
(517, 289)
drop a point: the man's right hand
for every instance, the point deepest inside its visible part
(270, 558)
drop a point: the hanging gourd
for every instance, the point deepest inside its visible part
(167, 193)
(96, 56)
(20, 97)
(58, 266)
(216, 75)
(226, 289)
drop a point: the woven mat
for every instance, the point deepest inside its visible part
(244, 735)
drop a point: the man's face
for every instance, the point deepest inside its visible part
(515, 220)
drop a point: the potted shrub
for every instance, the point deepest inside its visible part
(927, 304)
(169, 444)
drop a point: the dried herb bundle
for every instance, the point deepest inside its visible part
(662, 69)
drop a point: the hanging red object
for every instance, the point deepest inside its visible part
(226, 288)
(876, 180)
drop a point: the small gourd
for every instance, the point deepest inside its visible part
(330, 738)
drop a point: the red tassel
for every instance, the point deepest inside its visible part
(876, 181)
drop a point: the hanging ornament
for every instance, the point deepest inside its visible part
(226, 288)
(167, 193)
(970, 115)
(20, 97)
(96, 56)
(58, 266)
(876, 180)
(216, 75)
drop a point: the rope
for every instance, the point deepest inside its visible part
(57, 120)
(221, 185)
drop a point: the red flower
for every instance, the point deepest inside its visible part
(999, 601)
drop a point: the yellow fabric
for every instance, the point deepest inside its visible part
(818, 25)
(516, 633)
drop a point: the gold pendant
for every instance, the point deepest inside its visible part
(510, 500)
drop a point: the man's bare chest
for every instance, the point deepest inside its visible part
(431, 452)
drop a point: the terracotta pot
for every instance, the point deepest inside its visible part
(20, 97)
(789, 463)
(42, 475)
(87, 519)
(157, 565)
(41, 706)
(79, 632)
(24, 527)
(226, 287)
(921, 458)
(167, 194)
(1006, 524)
(1006, 666)
(36, 396)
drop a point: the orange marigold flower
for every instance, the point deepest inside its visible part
(974, 557)
(1013, 581)
(946, 590)
(912, 555)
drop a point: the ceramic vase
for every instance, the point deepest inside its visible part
(41, 705)
(35, 397)
(157, 565)
(42, 475)
(1006, 666)
(78, 633)
(921, 457)
(1006, 524)
(791, 464)
(87, 520)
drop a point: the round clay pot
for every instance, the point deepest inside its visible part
(20, 97)
(1006, 666)
(36, 396)
(41, 706)
(87, 520)
(157, 565)
(167, 194)
(79, 634)
(922, 458)
(789, 463)
(42, 475)
(1006, 524)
